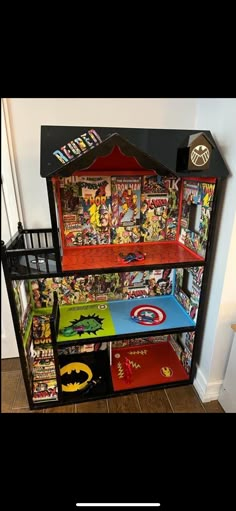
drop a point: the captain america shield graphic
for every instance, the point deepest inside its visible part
(148, 315)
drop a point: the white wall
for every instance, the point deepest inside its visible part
(9, 219)
(219, 116)
(27, 115)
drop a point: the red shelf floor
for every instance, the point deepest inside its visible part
(149, 365)
(99, 257)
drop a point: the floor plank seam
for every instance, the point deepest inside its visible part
(16, 389)
(169, 401)
(140, 408)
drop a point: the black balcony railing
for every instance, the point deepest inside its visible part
(30, 253)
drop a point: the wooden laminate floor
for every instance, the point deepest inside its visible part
(172, 400)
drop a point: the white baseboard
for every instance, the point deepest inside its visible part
(206, 391)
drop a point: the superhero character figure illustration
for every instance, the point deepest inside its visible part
(85, 324)
(104, 216)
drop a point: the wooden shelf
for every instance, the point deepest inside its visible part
(106, 257)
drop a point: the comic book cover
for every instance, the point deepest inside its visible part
(191, 239)
(207, 193)
(26, 319)
(43, 352)
(151, 185)
(72, 210)
(42, 292)
(197, 273)
(17, 298)
(176, 347)
(45, 390)
(126, 192)
(134, 284)
(43, 363)
(96, 203)
(130, 293)
(70, 290)
(179, 275)
(153, 216)
(86, 208)
(41, 331)
(78, 290)
(172, 186)
(191, 192)
(29, 354)
(129, 234)
(160, 282)
(203, 229)
(73, 234)
(22, 300)
(186, 359)
(134, 279)
(44, 369)
(189, 341)
(108, 287)
(194, 301)
(183, 299)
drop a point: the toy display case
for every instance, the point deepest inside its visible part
(111, 298)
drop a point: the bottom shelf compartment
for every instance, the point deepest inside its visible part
(145, 366)
(85, 376)
(123, 366)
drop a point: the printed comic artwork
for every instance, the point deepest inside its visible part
(196, 195)
(173, 187)
(103, 287)
(89, 324)
(23, 305)
(41, 331)
(189, 299)
(154, 208)
(125, 224)
(43, 363)
(159, 208)
(86, 210)
(45, 390)
(116, 210)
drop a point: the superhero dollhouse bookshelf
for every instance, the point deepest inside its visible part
(111, 298)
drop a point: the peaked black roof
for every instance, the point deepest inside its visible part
(153, 149)
(192, 138)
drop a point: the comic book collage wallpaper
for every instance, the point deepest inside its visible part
(113, 209)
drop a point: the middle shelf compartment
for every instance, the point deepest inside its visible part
(87, 322)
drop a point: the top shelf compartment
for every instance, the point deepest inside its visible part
(30, 254)
(101, 219)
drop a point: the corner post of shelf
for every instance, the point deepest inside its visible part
(16, 322)
(3, 246)
(54, 325)
(4, 260)
(55, 228)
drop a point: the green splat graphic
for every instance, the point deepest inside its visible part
(87, 321)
